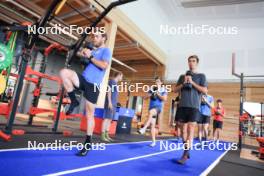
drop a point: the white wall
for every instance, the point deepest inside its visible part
(147, 15)
(215, 50)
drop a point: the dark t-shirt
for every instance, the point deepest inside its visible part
(114, 96)
(191, 98)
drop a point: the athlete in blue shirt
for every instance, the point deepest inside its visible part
(110, 106)
(157, 95)
(89, 82)
(207, 103)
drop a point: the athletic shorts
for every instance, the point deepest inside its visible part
(109, 113)
(90, 91)
(217, 124)
(185, 114)
(204, 119)
(158, 111)
(176, 117)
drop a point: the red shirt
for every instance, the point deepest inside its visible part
(218, 117)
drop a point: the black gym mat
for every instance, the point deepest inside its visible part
(231, 164)
(45, 135)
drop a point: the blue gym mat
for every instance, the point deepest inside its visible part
(127, 159)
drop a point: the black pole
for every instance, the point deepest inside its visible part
(18, 90)
(32, 38)
(27, 86)
(72, 53)
(241, 109)
(35, 100)
(128, 96)
(56, 123)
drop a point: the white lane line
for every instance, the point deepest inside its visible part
(106, 164)
(134, 142)
(21, 149)
(125, 160)
(210, 168)
(10, 150)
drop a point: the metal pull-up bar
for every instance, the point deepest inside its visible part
(32, 38)
(56, 5)
(234, 65)
(63, 30)
(241, 76)
(79, 43)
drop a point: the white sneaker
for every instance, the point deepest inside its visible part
(153, 144)
(141, 131)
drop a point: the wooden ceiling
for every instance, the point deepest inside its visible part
(126, 50)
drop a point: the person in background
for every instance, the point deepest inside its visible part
(207, 103)
(157, 96)
(219, 114)
(9, 95)
(177, 123)
(110, 106)
(190, 86)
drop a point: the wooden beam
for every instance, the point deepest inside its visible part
(123, 45)
(125, 37)
(111, 32)
(87, 23)
(146, 63)
(126, 51)
(36, 1)
(149, 55)
(142, 50)
(125, 24)
(73, 13)
(78, 2)
(125, 60)
(131, 56)
(78, 19)
(38, 11)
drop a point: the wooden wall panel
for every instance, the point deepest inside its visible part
(228, 92)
